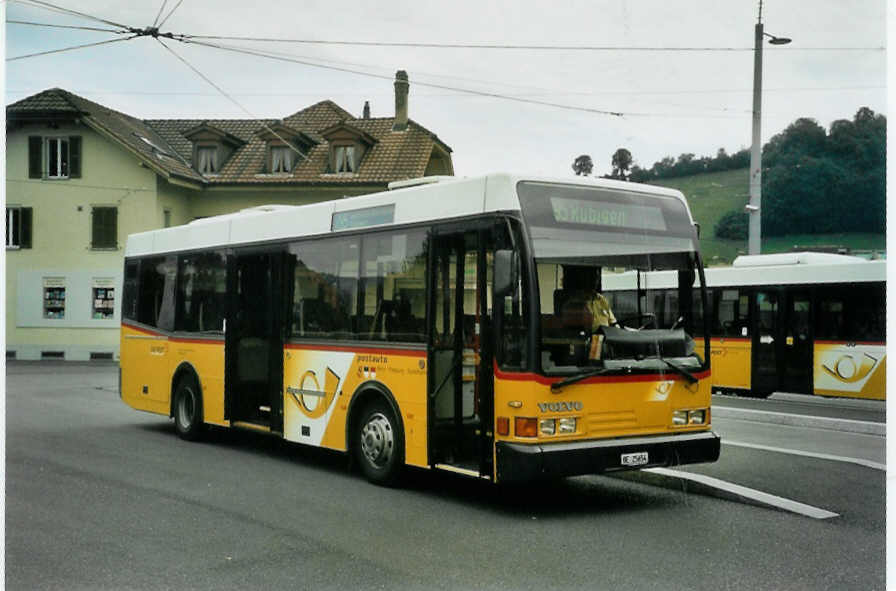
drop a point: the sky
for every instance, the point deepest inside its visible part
(671, 102)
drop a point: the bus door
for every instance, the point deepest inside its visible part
(254, 339)
(796, 343)
(460, 359)
(766, 343)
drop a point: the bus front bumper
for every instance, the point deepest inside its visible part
(517, 462)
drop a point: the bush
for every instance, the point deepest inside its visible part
(734, 225)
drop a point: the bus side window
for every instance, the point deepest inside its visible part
(156, 303)
(393, 287)
(325, 281)
(201, 292)
(733, 310)
(129, 296)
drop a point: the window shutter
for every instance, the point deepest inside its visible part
(96, 219)
(35, 153)
(112, 227)
(25, 231)
(74, 154)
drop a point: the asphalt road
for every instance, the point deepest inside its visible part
(99, 496)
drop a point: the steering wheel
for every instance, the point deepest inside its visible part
(650, 316)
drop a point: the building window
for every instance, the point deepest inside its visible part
(207, 159)
(103, 299)
(344, 159)
(54, 157)
(282, 159)
(166, 218)
(54, 298)
(104, 232)
(18, 227)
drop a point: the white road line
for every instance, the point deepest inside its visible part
(749, 493)
(809, 454)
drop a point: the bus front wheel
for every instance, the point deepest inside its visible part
(188, 410)
(379, 444)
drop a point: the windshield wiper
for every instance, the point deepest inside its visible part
(557, 386)
(691, 378)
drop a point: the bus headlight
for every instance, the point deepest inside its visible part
(679, 417)
(566, 425)
(547, 426)
(697, 417)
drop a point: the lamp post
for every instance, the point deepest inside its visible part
(754, 209)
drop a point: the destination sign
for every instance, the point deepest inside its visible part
(600, 213)
(361, 218)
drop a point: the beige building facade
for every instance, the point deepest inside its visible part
(81, 177)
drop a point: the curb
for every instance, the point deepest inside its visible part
(795, 420)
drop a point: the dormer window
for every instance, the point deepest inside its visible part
(207, 159)
(348, 146)
(282, 159)
(344, 159)
(285, 147)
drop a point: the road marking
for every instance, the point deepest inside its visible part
(748, 493)
(798, 420)
(809, 454)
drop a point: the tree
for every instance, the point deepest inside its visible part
(734, 225)
(583, 165)
(622, 161)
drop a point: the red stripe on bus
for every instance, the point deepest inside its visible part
(547, 381)
(361, 350)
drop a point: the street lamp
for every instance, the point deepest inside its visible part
(754, 209)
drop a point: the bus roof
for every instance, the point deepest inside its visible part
(415, 200)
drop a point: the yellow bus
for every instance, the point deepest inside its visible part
(443, 324)
(801, 322)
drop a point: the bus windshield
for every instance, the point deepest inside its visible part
(616, 273)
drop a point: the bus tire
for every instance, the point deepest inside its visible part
(187, 409)
(379, 444)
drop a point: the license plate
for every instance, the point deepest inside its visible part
(635, 459)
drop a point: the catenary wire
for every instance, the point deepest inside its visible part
(21, 57)
(231, 99)
(158, 16)
(33, 24)
(508, 46)
(164, 20)
(57, 8)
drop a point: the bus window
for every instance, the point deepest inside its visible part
(851, 313)
(129, 295)
(393, 287)
(201, 292)
(732, 309)
(701, 316)
(156, 302)
(513, 346)
(325, 291)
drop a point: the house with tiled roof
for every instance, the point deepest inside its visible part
(81, 176)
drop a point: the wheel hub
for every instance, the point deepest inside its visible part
(377, 440)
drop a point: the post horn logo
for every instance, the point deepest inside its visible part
(848, 371)
(309, 387)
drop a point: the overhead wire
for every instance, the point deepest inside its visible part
(164, 20)
(33, 24)
(431, 45)
(49, 6)
(159, 15)
(21, 57)
(231, 99)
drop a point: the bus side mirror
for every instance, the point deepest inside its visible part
(506, 272)
(697, 228)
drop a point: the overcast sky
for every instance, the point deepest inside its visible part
(672, 101)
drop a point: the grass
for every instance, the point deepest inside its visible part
(714, 194)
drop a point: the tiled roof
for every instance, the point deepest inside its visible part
(393, 156)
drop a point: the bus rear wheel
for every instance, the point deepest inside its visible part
(188, 410)
(379, 444)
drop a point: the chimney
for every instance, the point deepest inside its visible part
(366, 110)
(401, 101)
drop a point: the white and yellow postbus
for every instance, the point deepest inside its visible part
(802, 322)
(443, 324)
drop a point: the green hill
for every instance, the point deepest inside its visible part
(713, 194)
